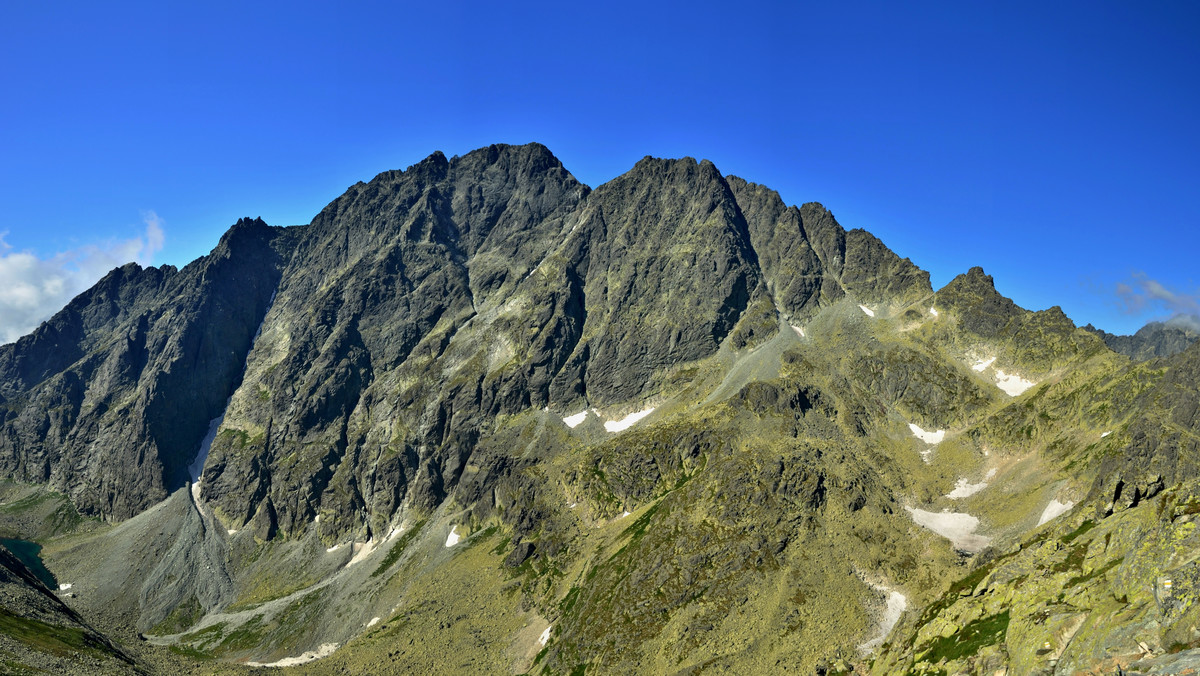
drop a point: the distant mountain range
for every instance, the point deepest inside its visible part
(1156, 339)
(478, 417)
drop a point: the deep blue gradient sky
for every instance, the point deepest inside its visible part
(1054, 144)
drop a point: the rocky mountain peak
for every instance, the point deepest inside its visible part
(247, 232)
(974, 297)
(673, 170)
(529, 157)
(433, 168)
(247, 222)
(977, 280)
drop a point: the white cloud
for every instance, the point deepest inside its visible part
(155, 237)
(32, 289)
(1143, 293)
(1190, 322)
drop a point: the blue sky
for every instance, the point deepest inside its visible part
(1054, 144)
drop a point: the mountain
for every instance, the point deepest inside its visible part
(1156, 339)
(478, 417)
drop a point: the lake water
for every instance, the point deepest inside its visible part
(29, 554)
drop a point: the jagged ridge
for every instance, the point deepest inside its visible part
(387, 279)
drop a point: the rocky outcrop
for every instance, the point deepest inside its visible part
(1039, 341)
(1160, 446)
(981, 308)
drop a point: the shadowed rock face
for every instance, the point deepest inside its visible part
(106, 399)
(668, 269)
(412, 311)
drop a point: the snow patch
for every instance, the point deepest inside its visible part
(545, 637)
(982, 364)
(333, 548)
(573, 421)
(867, 311)
(232, 532)
(896, 603)
(933, 312)
(65, 586)
(628, 421)
(453, 538)
(624, 514)
(934, 438)
(965, 489)
(363, 551)
(374, 621)
(197, 467)
(1013, 384)
(958, 528)
(572, 505)
(1105, 434)
(1054, 510)
(325, 650)
(799, 331)
(931, 438)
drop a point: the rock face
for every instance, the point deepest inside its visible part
(808, 260)
(413, 310)
(343, 405)
(107, 400)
